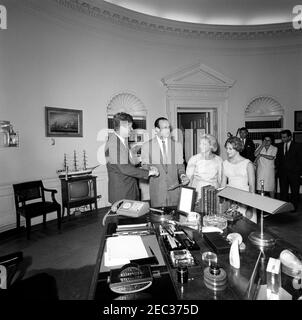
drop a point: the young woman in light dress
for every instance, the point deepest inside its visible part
(238, 172)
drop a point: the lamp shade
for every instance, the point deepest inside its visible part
(257, 201)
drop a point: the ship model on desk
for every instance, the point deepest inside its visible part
(76, 170)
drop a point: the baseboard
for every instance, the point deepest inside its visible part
(11, 232)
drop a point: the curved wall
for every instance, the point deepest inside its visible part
(51, 55)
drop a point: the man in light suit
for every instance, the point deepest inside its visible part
(289, 168)
(122, 173)
(167, 156)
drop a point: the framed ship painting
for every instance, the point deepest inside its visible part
(61, 122)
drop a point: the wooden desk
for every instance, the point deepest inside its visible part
(238, 280)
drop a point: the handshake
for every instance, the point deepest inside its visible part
(153, 171)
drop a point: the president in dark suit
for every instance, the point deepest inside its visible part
(289, 167)
(248, 151)
(122, 173)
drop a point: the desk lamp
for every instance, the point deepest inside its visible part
(261, 239)
(260, 202)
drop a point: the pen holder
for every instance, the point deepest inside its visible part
(209, 258)
(182, 274)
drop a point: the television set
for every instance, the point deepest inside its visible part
(78, 190)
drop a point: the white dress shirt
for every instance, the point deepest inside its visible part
(160, 142)
(120, 137)
(123, 141)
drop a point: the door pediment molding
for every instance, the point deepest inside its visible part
(199, 87)
(197, 77)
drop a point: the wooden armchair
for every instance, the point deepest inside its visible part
(34, 190)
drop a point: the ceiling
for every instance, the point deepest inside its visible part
(214, 12)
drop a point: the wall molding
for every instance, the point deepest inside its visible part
(139, 21)
(198, 87)
(126, 102)
(77, 15)
(264, 106)
(199, 78)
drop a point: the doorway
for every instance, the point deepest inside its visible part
(192, 125)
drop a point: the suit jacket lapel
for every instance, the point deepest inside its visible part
(154, 152)
(290, 147)
(288, 150)
(171, 151)
(122, 149)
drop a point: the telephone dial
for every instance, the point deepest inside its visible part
(128, 208)
(130, 278)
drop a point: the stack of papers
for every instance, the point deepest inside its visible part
(132, 226)
(120, 250)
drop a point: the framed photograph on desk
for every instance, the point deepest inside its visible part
(298, 120)
(186, 200)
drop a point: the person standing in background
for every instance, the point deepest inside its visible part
(265, 163)
(248, 150)
(289, 168)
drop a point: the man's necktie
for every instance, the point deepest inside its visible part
(164, 152)
(286, 149)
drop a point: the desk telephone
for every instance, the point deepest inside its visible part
(128, 208)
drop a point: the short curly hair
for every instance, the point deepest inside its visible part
(212, 141)
(235, 142)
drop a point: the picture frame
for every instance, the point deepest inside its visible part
(61, 122)
(140, 137)
(298, 120)
(297, 137)
(186, 200)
